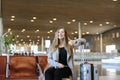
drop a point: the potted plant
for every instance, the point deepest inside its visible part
(8, 38)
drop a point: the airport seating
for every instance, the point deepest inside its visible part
(3, 61)
(25, 67)
(42, 62)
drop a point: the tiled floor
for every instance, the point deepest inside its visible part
(106, 72)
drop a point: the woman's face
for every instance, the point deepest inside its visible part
(61, 34)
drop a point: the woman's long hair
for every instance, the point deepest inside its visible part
(56, 42)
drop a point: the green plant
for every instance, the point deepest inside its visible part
(8, 38)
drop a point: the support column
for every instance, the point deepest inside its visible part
(1, 31)
(79, 30)
(42, 44)
(101, 44)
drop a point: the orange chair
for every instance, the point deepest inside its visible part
(3, 61)
(42, 62)
(23, 67)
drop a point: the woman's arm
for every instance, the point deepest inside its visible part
(77, 42)
(53, 62)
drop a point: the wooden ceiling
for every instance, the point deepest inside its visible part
(83, 11)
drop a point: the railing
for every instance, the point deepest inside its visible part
(93, 56)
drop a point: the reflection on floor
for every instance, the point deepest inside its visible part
(106, 71)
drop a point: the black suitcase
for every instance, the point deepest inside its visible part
(88, 71)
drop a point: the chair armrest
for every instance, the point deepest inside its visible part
(39, 71)
(7, 67)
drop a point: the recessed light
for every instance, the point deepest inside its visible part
(72, 33)
(21, 39)
(87, 32)
(48, 37)
(38, 36)
(97, 33)
(83, 33)
(68, 22)
(115, 0)
(91, 21)
(12, 16)
(54, 19)
(9, 29)
(23, 30)
(48, 32)
(76, 32)
(107, 22)
(51, 21)
(17, 36)
(51, 30)
(73, 20)
(100, 25)
(6, 35)
(31, 20)
(114, 25)
(12, 19)
(28, 36)
(34, 17)
(85, 23)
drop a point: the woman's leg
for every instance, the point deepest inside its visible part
(49, 73)
(62, 73)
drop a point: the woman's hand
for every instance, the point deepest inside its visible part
(61, 65)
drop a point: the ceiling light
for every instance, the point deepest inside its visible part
(38, 36)
(51, 30)
(31, 20)
(19, 44)
(97, 33)
(12, 16)
(115, 0)
(51, 21)
(17, 36)
(54, 19)
(13, 39)
(28, 36)
(83, 33)
(48, 37)
(76, 32)
(107, 22)
(87, 32)
(34, 17)
(37, 30)
(100, 25)
(114, 25)
(23, 42)
(23, 30)
(12, 19)
(72, 33)
(21, 39)
(73, 20)
(17, 41)
(37, 42)
(91, 21)
(6, 35)
(85, 23)
(68, 22)
(9, 29)
(48, 32)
